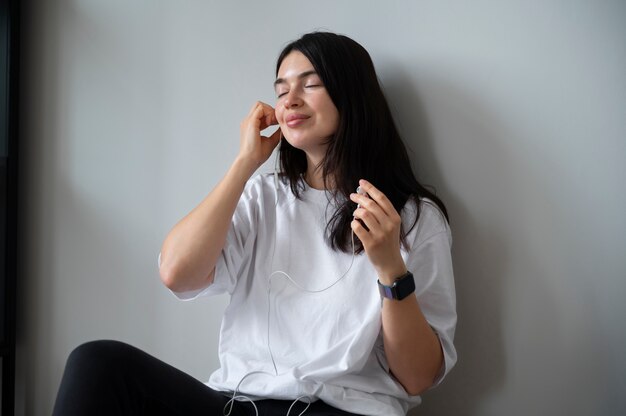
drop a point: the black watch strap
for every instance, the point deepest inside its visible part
(400, 289)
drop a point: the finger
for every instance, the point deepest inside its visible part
(368, 218)
(254, 119)
(374, 228)
(380, 198)
(369, 205)
(275, 137)
(267, 116)
(270, 119)
(262, 110)
(360, 232)
(254, 108)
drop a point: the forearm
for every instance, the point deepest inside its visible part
(412, 348)
(191, 249)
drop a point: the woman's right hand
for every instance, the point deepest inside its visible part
(255, 148)
(192, 248)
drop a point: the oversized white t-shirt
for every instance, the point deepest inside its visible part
(318, 332)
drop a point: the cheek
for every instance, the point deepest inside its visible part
(328, 108)
(332, 116)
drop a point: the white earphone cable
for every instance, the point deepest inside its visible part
(236, 396)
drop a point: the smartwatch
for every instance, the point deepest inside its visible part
(400, 289)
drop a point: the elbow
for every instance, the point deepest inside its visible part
(417, 383)
(417, 386)
(169, 276)
(178, 278)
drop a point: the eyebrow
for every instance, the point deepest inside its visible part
(300, 76)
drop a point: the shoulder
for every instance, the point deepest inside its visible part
(430, 223)
(259, 181)
(265, 189)
(263, 184)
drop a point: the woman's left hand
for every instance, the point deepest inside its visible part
(381, 238)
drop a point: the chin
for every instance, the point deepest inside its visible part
(305, 142)
(298, 144)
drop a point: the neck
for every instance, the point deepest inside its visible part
(314, 178)
(313, 175)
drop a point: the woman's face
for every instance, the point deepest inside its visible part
(306, 114)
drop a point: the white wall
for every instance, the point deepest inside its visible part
(515, 110)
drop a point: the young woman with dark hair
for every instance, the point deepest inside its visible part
(342, 302)
(366, 144)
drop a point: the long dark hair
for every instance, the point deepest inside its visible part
(366, 145)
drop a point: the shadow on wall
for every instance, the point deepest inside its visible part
(479, 252)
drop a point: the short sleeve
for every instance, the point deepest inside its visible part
(430, 261)
(234, 259)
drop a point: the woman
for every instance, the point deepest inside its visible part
(341, 299)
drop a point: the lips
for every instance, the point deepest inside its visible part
(296, 119)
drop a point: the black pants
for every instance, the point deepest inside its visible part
(113, 378)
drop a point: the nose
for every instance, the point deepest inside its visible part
(292, 99)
